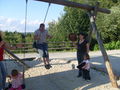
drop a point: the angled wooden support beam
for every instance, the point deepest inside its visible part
(17, 58)
(101, 46)
(76, 5)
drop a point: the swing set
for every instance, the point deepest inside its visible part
(92, 13)
(17, 59)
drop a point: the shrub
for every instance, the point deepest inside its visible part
(109, 46)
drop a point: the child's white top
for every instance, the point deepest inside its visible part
(16, 82)
(88, 64)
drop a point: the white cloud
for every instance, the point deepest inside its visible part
(10, 20)
(11, 24)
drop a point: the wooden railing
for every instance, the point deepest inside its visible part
(52, 46)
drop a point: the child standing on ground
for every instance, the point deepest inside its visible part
(16, 79)
(85, 67)
(2, 67)
(3, 45)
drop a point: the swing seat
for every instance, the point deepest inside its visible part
(34, 45)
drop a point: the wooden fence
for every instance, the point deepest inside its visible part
(52, 46)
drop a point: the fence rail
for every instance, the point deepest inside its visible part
(53, 46)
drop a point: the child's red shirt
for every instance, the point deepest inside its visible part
(1, 53)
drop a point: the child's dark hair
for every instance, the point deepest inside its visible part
(87, 56)
(14, 72)
(83, 34)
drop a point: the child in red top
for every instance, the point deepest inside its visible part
(1, 52)
(2, 68)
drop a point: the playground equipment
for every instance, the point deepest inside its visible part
(17, 58)
(92, 13)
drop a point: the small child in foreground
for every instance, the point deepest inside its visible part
(16, 80)
(85, 67)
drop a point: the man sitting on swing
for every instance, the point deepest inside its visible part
(40, 37)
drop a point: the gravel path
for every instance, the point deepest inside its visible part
(61, 76)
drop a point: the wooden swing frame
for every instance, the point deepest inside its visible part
(92, 13)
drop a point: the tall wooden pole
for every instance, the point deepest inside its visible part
(76, 5)
(105, 56)
(90, 35)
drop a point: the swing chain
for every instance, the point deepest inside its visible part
(46, 12)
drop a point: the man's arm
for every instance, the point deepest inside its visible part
(36, 37)
(49, 36)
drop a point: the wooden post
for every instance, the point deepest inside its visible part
(90, 35)
(105, 56)
(76, 5)
(95, 14)
(17, 58)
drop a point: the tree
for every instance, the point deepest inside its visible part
(109, 25)
(76, 20)
(73, 21)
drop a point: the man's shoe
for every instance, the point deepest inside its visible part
(49, 66)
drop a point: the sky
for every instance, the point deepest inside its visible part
(12, 14)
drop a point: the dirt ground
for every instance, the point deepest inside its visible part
(61, 76)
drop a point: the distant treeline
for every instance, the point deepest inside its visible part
(17, 37)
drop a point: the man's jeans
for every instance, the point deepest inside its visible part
(43, 50)
(2, 76)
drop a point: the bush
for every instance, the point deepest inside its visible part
(96, 47)
(117, 46)
(109, 46)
